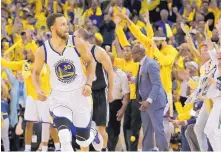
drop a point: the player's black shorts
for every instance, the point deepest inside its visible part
(100, 107)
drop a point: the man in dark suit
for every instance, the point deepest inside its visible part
(152, 97)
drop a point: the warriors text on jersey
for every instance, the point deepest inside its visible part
(66, 71)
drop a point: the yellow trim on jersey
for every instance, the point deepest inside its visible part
(70, 46)
(51, 119)
(83, 67)
(91, 100)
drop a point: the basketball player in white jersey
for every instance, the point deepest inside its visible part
(213, 124)
(100, 85)
(70, 98)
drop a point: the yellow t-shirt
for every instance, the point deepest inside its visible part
(32, 45)
(9, 29)
(26, 72)
(7, 1)
(217, 13)
(18, 53)
(38, 6)
(166, 57)
(183, 111)
(128, 67)
(8, 85)
(41, 20)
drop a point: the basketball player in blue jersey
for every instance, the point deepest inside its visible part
(70, 98)
(100, 85)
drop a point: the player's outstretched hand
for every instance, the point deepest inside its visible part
(86, 91)
(42, 95)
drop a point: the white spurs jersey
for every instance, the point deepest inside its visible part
(66, 70)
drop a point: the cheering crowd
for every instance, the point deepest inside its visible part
(183, 37)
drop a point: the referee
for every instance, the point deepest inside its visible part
(121, 97)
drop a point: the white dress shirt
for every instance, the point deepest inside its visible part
(121, 84)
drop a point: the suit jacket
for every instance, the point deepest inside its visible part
(150, 85)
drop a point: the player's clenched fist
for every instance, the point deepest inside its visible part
(86, 90)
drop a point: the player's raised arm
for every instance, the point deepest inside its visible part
(38, 65)
(88, 58)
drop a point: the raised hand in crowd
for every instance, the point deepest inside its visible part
(117, 21)
(107, 48)
(175, 10)
(107, 18)
(185, 30)
(146, 17)
(111, 4)
(123, 16)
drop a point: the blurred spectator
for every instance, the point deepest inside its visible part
(4, 23)
(137, 20)
(215, 37)
(95, 13)
(179, 34)
(152, 6)
(98, 39)
(172, 15)
(104, 4)
(4, 117)
(209, 16)
(114, 5)
(185, 124)
(18, 95)
(164, 23)
(134, 6)
(76, 11)
(177, 4)
(107, 28)
(4, 45)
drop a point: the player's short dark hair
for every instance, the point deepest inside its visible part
(51, 19)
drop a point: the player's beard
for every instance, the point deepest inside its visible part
(63, 36)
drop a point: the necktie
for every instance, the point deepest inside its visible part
(138, 97)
